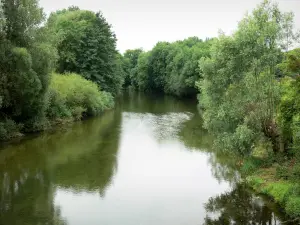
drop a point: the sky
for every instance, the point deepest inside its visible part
(142, 23)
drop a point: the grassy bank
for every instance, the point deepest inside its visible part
(69, 98)
(277, 184)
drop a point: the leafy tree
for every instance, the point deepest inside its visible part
(26, 59)
(144, 82)
(172, 68)
(288, 35)
(239, 91)
(131, 60)
(87, 46)
(291, 64)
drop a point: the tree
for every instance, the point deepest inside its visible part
(87, 46)
(131, 59)
(239, 91)
(26, 59)
(288, 35)
(290, 66)
(172, 68)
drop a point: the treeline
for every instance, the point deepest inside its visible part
(243, 79)
(55, 70)
(249, 85)
(170, 68)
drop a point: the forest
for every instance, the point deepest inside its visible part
(66, 67)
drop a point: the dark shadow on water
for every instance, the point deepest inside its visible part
(241, 207)
(81, 158)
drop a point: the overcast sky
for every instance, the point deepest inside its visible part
(142, 23)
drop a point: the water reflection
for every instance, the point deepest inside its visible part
(239, 206)
(31, 170)
(94, 170)
(147, 162)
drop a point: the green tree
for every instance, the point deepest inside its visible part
(172, 68)
(131, 60)
(87, 46)
(239, 91)
(290, 66)
(26, 59)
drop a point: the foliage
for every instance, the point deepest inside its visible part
(289, 112)
(87, 46)
(130, 66)
(70, 95)
(283, 192)
(9, 129)
(170, 68)
(250, 165)
(26, 57)
(293, 206)
(239, 91)
(290, 66)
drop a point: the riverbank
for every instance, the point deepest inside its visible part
(285, 192)
(69, 98)
(148, 153)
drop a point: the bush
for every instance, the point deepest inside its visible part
(250, 165)
(280, 191)
(57, 107)
(293, 206)
(295, 173)
(282, 172)
(9, 129)
(72, 96)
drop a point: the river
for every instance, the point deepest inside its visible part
(147, 162)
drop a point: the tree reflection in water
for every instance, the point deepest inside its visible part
(240, 207)
(80, 158)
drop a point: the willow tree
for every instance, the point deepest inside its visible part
(239, 91)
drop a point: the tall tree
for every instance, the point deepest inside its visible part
(87, 46)
(239, 90)
(26, 60)
(131, 59)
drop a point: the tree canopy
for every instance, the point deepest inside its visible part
(87, 46)
(170, 68)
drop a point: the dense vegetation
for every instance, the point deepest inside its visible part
(87, 46)
(249, 95)
(170, 68)
(247, 83)
(72, 40)
(71, 96)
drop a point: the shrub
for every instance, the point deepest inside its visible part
(295, 173)
(56, 105)
(255, 181)
(9, 129)
(293, 206)
(250, 165)
(71, 95)
(282, 172)
(280, 191)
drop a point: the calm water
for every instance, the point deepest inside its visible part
(148, 162)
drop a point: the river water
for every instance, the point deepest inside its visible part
(147, 162)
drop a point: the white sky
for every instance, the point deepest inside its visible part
(142, 23)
